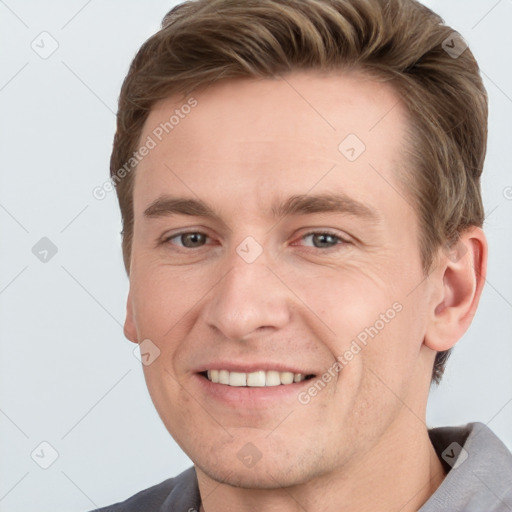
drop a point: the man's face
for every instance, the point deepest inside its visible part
(272, 242)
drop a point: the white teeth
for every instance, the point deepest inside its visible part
(256, 379)
(287, 377)
(272, 379)
(237, 379)
(223, 377)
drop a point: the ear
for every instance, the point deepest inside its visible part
(458, 283)
(129, 325)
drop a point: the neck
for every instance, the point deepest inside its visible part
(399, 473)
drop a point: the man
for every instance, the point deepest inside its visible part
(299, 186)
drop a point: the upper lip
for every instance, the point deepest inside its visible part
(250, 367)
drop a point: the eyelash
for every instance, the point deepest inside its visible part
(340, 239)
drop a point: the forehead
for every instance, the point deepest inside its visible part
(251, 139)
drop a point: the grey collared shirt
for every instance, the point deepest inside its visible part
(479, 478)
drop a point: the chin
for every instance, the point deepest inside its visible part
(264, 477)
(273, 468)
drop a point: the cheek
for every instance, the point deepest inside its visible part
(347, 300)
(165, 299)
(367, 316)
(169, 397)
(391, 349)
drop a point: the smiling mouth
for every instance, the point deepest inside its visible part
(257, 379)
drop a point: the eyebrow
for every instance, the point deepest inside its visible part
(294, 205)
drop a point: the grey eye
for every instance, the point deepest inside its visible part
(190, 240)
(322, 240)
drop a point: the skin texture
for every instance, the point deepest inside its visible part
(248, 145)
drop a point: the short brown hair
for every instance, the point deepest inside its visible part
(399, 41)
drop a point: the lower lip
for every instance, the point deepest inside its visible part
(250, 397)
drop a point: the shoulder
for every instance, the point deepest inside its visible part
(479, 469)
(179, 494)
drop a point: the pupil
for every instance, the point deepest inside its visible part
(192, 239)
(323, 240)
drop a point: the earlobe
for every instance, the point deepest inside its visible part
(129, 325)
(461, 277)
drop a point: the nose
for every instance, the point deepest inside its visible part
(250, 298)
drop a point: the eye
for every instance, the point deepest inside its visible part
(190, 240)
(322, 240)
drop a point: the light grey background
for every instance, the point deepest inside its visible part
(67, 375)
